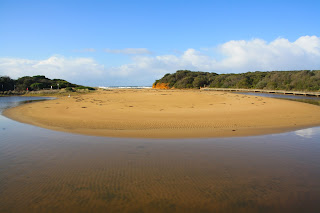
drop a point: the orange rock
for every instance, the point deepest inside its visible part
(161, 86)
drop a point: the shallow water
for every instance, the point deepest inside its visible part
(48, 171)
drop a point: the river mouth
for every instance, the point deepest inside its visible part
(48, 171)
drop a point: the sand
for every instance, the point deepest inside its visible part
(151, 113)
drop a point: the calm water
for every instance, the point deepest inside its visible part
(47, 171)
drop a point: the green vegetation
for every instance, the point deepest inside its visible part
(304, 80)
(187, 79)
(36, 83)
(83, 87)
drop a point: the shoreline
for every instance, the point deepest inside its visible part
(150, 113)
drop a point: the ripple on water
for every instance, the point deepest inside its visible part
(47, 171)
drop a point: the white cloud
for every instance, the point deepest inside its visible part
(280, 54)
(73, 69)
(237, 56)
(234, 56)
(129, 51)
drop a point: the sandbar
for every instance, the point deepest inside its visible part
(153, 113)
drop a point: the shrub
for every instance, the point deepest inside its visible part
(69, 89)
(83, 87)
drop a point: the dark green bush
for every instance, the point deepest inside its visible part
(69, 89)
(37, 82)
(305, 80)
(83, 87)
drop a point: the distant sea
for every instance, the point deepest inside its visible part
(125, 87)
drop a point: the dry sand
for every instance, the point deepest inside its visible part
(151, 113)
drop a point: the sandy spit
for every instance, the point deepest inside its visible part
(151, 113)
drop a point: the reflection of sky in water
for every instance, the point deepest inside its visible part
(308, 133)
(13, 101)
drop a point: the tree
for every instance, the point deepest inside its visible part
(279, 80)
(37, 86)
(6, 83)
(199, 81)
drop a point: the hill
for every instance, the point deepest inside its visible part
(304, 80)
(34, 83)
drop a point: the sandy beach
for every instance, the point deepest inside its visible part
(151, 113)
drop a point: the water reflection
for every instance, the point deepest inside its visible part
(308, 133)
(12, 101)
(47, 171)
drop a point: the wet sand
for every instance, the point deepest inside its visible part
(153, 113)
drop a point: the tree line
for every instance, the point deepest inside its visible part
(303, 80)
(34, 83)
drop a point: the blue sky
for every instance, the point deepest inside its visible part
(135, 42)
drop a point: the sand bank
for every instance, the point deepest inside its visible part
(151, 113)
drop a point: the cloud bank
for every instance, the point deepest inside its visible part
(234, 57)
(73, 69)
